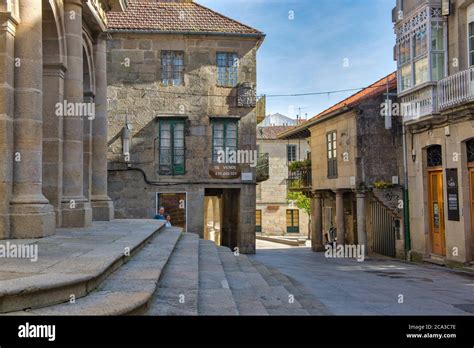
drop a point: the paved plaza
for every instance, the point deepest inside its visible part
(374, 286)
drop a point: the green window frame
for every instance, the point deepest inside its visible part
(292, 221)
(291, 153)
(172, 147)
(225, 136)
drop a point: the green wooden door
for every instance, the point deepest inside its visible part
(292, 221)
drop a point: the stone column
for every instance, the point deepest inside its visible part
(87, 143)
(341, 231)
(317, 223)
(76, 210)
(8, 24)
(361, 230)
(31, 214)
(53, 77)
(102, 206)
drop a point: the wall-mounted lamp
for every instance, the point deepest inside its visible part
(413, 155)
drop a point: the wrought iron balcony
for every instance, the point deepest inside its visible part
(456, 89)
(299, 176)
(263, 171)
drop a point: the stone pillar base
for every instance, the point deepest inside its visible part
(318, 248)
(102, 210)
(32, 221)
(78, 216)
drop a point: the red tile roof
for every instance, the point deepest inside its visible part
(271, 132)
(374, 89)
(175, 16)
(371, 91)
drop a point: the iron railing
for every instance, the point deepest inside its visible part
(456, 89)
(299, 179)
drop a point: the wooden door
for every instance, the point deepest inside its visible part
(436, 212)
(471, 175)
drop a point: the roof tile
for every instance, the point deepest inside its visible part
(179, 16)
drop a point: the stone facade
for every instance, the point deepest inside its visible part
(52, 162)
(139, 99)
(367, 153)
(446, 123)
(272, 194)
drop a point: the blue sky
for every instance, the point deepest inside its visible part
(307, 53)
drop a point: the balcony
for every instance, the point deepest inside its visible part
(456, 89)
(299, 176)
(263, 172)
(419, 103)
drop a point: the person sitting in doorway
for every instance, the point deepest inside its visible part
(161, 214)
(168, 220)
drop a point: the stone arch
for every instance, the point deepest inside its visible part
(54, 68)
(88, 64)
(54, 38)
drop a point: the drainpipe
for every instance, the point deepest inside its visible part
(406, 201)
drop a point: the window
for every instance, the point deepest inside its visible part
(434, 156)
(437, 51)
(224, 137)
(292, 221)
(171, 147)
(470, 151)
(227, 64)
(422, 53)
(470, 33)
(291, 153)
(258, 221)
(420, 48)
(172, 68)
(331, 142)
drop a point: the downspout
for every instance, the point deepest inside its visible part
(406, 201)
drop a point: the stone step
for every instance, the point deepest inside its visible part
(243, 285)
(74, 261)
(214, 296)
(177, 291)
(252, 293)
(129, 289)
(274, 278)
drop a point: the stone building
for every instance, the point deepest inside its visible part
(274, 214)
(181, 87)
(53, 123)
(435, 59)
(355, 172)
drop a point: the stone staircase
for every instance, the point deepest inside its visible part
(177, 273)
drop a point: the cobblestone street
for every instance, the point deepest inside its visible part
(372, 287)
